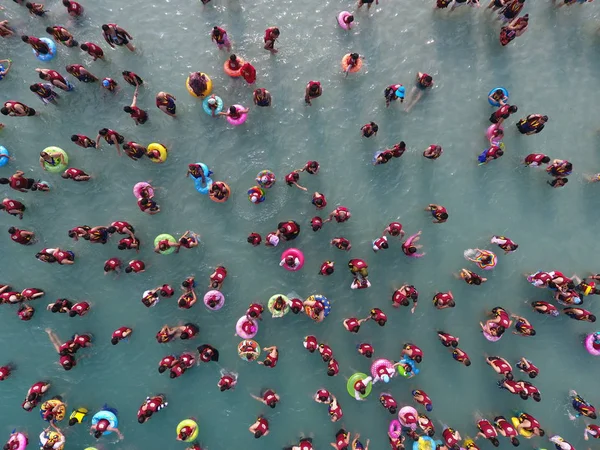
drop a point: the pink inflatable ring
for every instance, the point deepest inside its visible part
(395, 429)
(378, 365)
(298, 257)
(246, 328)
(589, 345)
(137, 189)
(214, 300)
(240, 120)
(340, 19)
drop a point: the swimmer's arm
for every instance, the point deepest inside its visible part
(135, 96)
(257, 398)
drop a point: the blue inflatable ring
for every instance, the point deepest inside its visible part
(495, 103)
(207, 110)
(104, 414)
(4, 156)
(205, 169)
(326, 303)
(48, 56)
(203, 189)
(1, 70)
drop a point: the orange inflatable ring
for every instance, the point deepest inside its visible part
(214, 198)
(233, 73)
(356, 68)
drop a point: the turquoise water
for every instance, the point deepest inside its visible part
(552, 69)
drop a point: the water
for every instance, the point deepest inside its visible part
(551, 70)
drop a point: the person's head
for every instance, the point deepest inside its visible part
(25, 38)
(418, 358)
(514, 441)
(500, 330)
(499, 93)
(374, 126)
(495, 442)
(172, 375)
(66, 2)
(72, 313)
(267, 362)
(127, 109)
(275, 31)
(513, 109)
(536, 396)
(443, 216)
(541, 432)
(384, 245)
(103, 132)
(12, 230)
(509, 376)
(4, 112)
(289, 260)
(523, 395)
(183, 435)
(545, 119)
(349, 19)
(84, 47)
(55, 307)
(500, 152)
(330, 372)
(257, 434)
(467, 362)
(232, 110)
(67, 365)
(412, 249)
(34, 88)
(104, 27)
(97, 434)
(142, 418)
(354, 56)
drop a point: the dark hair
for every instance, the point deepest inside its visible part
(385, 245)
(127, 109)
(381, 322)
(128, 269)
(412, 250)
(141, 419)
(267, 362)
(509, 376)
(257, 434)
(477, 281)
(11, 230)
(523, 395)
(330, 372)
(444, 215)
(536, 396)
(375, 127)
(546, 159)
(514, 440)
(105, 27)
(545, 118)
(495, 442)
(232, 109)
(72, 313)
(161, 368)
(74, 138)
(114, 341)
(355, 55)
(542, 432)
(172, 374)
(24, 38)
(467, 362)
(272, 404)
(513, 109)
(368, 353)
(532, 333)
(83, 47)
(97, 434)
(418, 358)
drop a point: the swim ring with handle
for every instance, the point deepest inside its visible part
(353, 379)
(108, 415)
(188, 423)
(295, 253)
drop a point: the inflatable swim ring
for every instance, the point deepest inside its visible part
(589, 345)
(273, 311)
(108, 415)
(407, 410)
(406, 360)
(58, 415)
(295, 253)
(59, 167)
(216, 296)
(353, 379)
(233, 73)
(265, 179)
(188, 423)
(340, 19)
(240, 331)
(137, 189)
(47, 56)
(207, 172)
(379, 363)
(1, 70)
(168, 237)
(4, 156)
(53, 437)
(516, 422)
(256, 195)
(208, 86)
(248, 350)
(214, 198)
(161, 149)
(493, 102)
(473, 254)
(240, 120)
(356, 68)
(21, 440)
(208, 111)
(424, 443)
(489, 133)
(326, 306)
(395, 429)
(491, 338)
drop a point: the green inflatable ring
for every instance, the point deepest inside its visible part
(59, 167)
(353, 379)
(273, 311)
(189, 423)
(162, 237)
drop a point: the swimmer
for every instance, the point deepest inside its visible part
(132, 78)
(39, 46)
(511, 10)
(530, 391)
(120, 334)
(75, 174)
(32, 293)
(532, 124)
(217, 278)
(134, 150)
(591, 430)
(313, 90)
(513, 30)
(558, 182)
(186, 361)
(394, 229)
(536, 159)
(166, 103)
(503, 113)
(490, 154)
(186, 432)
(11, 297)
(17, 109)
(149, 206)
(254, 311)
(234, 112)
(413, 352)
(439, 213)
(261, 97)
(369, 129)
(288, 230)
(304, 444)
(342, 440)
(22, 237)
(393, 93)
(487, 431)
(323, 396)
(248, 73)
(219, 191)
(271, 35)
(168, 362)
(260, 427)
(111, 137)
(545, 308)
(66, 350)
(471, 277)
(73, 8)
(365, 349)
(327, 268)
(5, 29)
(150, 297)
(353, 324)
(443, 300)
(340, 214)
(310, 343)
(81, 73)
(433, 152)
(93, 50)
(150, 406)
(378, 316)
(505, 244)
(115, 35)
(55, 78)
(383, 157)
(498, 97)
(402, 297)
(103, 426)
(571, 2)
(272, 357)
(109, 84)
(410, 249)
(505, 428)
(451, 438)
(25, 312)
(254, 238)
(292, 178)
(501, 366)
(269, 397)
(83, 141)
(522, 326)
(529, 424)
(112, 265)
(351, 60)
(219, 36)
(460, 356)
(234, 63)
(380, 243)
(206, 352)
(188, 240)
(579, 314)
(5, 70)
(212, 106)
(335, 410)
(423, 82)
(138, 115)
(62, 35)
(135, 266)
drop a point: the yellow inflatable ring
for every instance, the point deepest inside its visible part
(51, 404)
(214, 198)
(161, 149)
(208, 86)
(522, 432)
(188, 423)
